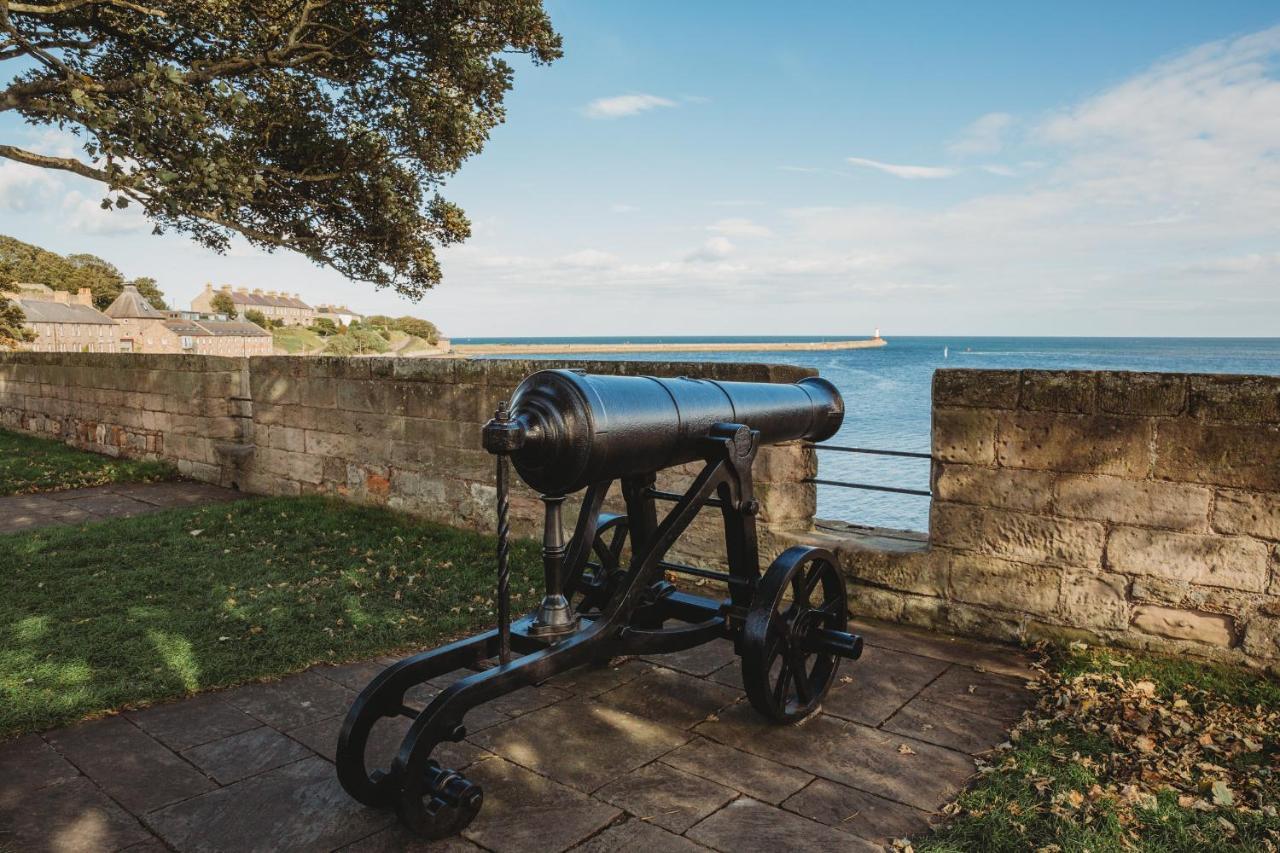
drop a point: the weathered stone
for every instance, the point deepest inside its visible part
(1149, 503)
(962, 731)
(1247, 399)
(1242, 456)
(848, 753)
(1095, 444)
(1004, 488)
(246, 754)
(133, 769)
(880, 683)
(1095, 600)
(1039, 539)
(1058, 391)
(580, 743)
(1158, 590)
(908, 571)
(858, 812)
(637, 834)
(1211, 628)
(517, 803)
(1262, 637)
(1125, 393)
(1228, 561)
(666, 797)
(1249, 513)
(964, 435)
(982, 693)
(994, 389)
(756, 777)
(746, 826)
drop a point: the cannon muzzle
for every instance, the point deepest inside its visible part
(568, 429)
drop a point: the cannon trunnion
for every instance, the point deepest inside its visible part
(606, 592)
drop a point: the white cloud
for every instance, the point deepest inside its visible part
(588, 259)
(623, 208)
(739, 227)
(86, 215)
(909, 173)
(24, 188)
(625, 105)
(715, 249)
(984, 137)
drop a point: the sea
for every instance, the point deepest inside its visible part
(886, 392)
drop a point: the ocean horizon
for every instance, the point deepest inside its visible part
(887, 391)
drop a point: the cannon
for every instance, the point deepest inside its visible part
(606, 589)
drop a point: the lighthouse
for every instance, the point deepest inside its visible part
(877, 337)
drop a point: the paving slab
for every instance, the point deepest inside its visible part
(136, 770)
(29, 765)
(637, 835)
(524, 811)
(69, 817)
(983, 693)
(666, 797)
(587, 681)
(397, 839)
(246, 754)
(384, 742)
(871, 689)
(292, 702)
(581, 743)
(353, 676)
(299, 806)
(193, 721)
(758, 778)
(963, 731)
(893, 766)
(675, 698)
(992, 657)
(699, 660)
(747, 826)
(858, 812)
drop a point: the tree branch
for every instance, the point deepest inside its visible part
(65, 164)
(72, 5)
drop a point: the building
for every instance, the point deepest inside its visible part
(65, 322)
(289, 309)
(143, 328)
(340, 314)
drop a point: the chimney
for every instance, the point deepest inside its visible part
(85, 296)
(62, 297)
(226, 288)
(271, 293)
(208, 287)
(243, 290)
(257, 291)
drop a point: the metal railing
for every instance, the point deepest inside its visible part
(844, 484)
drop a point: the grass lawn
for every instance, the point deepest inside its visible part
(29, 464)
(1131, 753)
(138, 610)
(296, 339)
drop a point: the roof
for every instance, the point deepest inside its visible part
(132, 304)
(186, 327)
(39, 311)
(277, 301)
(222, 328)
(338, 309)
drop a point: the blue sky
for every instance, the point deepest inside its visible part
(826, 168)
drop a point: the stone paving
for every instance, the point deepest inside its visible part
(660, 754)
(96, 503)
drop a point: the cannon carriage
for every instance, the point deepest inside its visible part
(606, 592)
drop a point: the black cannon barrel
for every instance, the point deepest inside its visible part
(578, 428)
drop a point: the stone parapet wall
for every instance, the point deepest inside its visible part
(403, 433)
(1133, 508)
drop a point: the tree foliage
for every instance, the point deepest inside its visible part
(253, 315)
(324, 327)
(418, 327)
(224, 304)
(358, 341)
(12, 330)
(23, 262)
(321, 126)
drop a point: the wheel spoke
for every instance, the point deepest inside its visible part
(810, 581)
(615, 544)
(795, 664)
(780, 686)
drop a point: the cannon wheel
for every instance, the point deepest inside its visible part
(785, 678)
(600, 576)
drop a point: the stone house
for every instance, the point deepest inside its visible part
(65, 322)
(143, 328)
(339, 314)
(287, 308)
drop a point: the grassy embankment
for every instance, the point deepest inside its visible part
(138, 610)
(29, 464)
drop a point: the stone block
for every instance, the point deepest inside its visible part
(276, 390)
(1242, 456)
(1095, 600)
(786, 502)
(287, 438)
(1234, 562)
(984, 389)
(1249, 513)
(377, 397)
(1058, 391)
(1174, 624)
(1262, 638)
(964, 435)
(1095, 444)
(912, 571)
(1148, 503)
(785, 463)
(1005, 488)
(1124, 393)
(1002, 584)
(1244, 399)
(1016, 535)
(1159, 590)
(302, 467)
